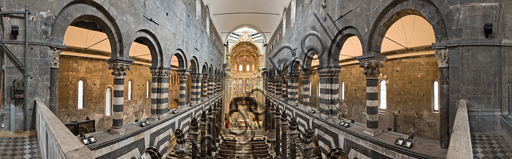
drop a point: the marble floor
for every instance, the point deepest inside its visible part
(19, 147)
(487, 146)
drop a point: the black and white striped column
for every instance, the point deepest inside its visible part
(329, 88)
(205, 87)
(293, 88)
(196, 88)
(219, 85)
(371, 70)
(305, 89)
(278, 87)
(119, 71)
(270, 85)
(159, 93)
(284, 86)
(183, 74)
(210, 86)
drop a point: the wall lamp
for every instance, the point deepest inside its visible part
(15, 31)
(487, 29)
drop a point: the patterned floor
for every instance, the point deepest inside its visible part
(490, 146)
(19, 147)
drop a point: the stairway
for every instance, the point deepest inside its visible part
(259, 149)
(227, 149)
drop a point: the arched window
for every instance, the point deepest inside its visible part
(318, 93)
(235, 67)
(240, 68)
(342, 90)
(284, 22)
(80, 94)
(293, 8)
(435, 102)
(253, 67)
(129, 90)
(147, 89)
(247, 67)
(382, 95)
(310, 88)
(108, 101)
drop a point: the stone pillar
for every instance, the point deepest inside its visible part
(293, 133)
(180, 144)
(196, 88)
(219, 85)
(371, 70)
(284, 86)
(210, 86)
(209, 132)
(278, 88)
(183, 74)
(159, 93)
(204, 141)
(205, 87)
(194, 133)
(329, 87)
(277, 118)
(284, 128)
(306, 147)
(119, 71)
(444, 110)
(305, 89)
(293, 88)
(54, 80)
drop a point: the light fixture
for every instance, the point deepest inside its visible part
(488, 29)
(408, 143)
(344, 124)
(312, 111)
(85, 141)
(147, 122)
(399, 141)
(92, 139)
(175, 111)
(142, 124)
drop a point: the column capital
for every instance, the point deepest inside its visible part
(119, 69)
(442, 57)
(183, 74)
(371, 67)
(161, 72)
(329, 72)
(54, 57)
(293, 75)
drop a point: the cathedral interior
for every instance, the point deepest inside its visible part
(280, 79)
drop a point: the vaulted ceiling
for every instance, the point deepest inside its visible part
(261, 15)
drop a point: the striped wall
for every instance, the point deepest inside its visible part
(157, 135)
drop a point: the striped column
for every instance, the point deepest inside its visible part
(305, 89)
(329, 86)
(159, 93)
(284, 84)
(182, 75)
(219, 85)
(210, 86)
(293, 88)
(278, 87)
(371, 70)
(196, 88)
(119, 71)
(270, 85)
(205, 87)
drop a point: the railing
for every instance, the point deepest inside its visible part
(460, 141)
(55, 140)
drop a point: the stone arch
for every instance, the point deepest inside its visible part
(399, 9)
(182, 64)
(210, 70)
(82, 10)
(308, 59)
(294, 64)
(339, 40)
(149, 39)
(205, 68)
(248, 26)
(194, 65)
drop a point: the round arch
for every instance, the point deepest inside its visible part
(399, 9)
(149, 39)
(194, 65)
(308, 59)
(248, 26)
(337, 44)
(182, 64)
(82, 10)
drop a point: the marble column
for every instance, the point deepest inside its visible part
(119, 71)
(284, 128)
(278, 89)
(159, 93)
(444, 109)
(54, 80)
(371, 70)
(210, 86)
(293, 88)
(183, 74)
(305, 89)
(205, 87)
(284, 86)
(277, 118)
(196, 88)
(329, 88)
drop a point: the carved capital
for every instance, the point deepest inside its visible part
(119, 69)
(371, 67)
(305, 75)
(183, 74)
(329, 73)
(160, 73)
(442, 57)
(54, 57)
